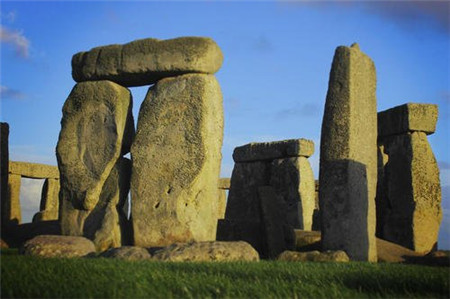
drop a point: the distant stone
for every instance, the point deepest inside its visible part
(176, 162)
(106, 224)
(146, 61)
(224, 183)
(33, 170)
(58, 246)
(410, 194)
(3, 244)
(410, 117)
(273, 150)
(305, 240)
(314, 256)
(49, 206)
(389, 252)
(221, 204)
(93, 129)
(128, 253)
(4, 168)
(214, 251)
(348, 156)
(11, 211)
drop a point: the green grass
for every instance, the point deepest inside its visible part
(24, 277)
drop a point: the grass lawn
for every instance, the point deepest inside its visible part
(23, 276)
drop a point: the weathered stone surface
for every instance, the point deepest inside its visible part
(278, 232)
(129, 253)
(49, 207)
(293, 180)
(11, 210)
(106, 224)
(207, 252)
(33, 170)
(58, 246)
(348, 156)
(411, 193)
(392, 253)
(314, 256)
(222, 204)
(410, 117)
(94, 121)
(176, 161)
(260, 151)
(224, 183)
(146, 61)
(249, 231)
(305, 240)
(3, 244)
(4, 167)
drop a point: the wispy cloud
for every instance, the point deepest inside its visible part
(263, 44)
(9, 17)
(299, 110)
(17, 40)
(11, 94)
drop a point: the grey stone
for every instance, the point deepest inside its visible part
(106, 224)
(410, 117)
(146, 61)
(214, 251)
(348, 156)
(49, 206)
(11, 212)
(176, 162)
(57, 246)
(93, 127)
(128, 253)
(314, 256)
(33, 170)
(273, 150)
(249, 231)
(410, 195)
(4, 167)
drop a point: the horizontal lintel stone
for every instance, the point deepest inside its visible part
(410, 117)
(273, 150)
(33, 170)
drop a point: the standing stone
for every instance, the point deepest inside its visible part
(348, 156)
(93, 126)
(410, 192)
(176, 161)
(224, 185)
(146, 61)
(4, 167)
(49, 207)
(106, 225)
(12, 212)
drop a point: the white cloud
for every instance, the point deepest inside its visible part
(30, 198)
(17, 40)
(13, 94)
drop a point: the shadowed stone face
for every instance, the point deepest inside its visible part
(349, 138)
(176, 161)
(92, 135)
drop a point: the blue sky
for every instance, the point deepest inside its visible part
(274, 77)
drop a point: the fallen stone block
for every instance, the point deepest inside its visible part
(128, 253)
(146, 61)
(49, 206)
(57, 246)
(307, 240)
(314, 256)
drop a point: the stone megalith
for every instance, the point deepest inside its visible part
(49, 206)
(146, 61)
(409, 191)
(282, 165)
(348, 156)
(176, 161)
(106, 224)
(4, 169)
(96, 116)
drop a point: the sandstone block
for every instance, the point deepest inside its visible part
(348, 156)
(224, 183)
(93, 126)
(411, 193)
(57, 246)
(128, 253)
(49, 206)
(207, 252)
(176, 161)
(392, 253)
(410, 117)
(11, 212)
(260, 151)
(106, 224)
(222, 204)
(33, 170)
(314, 256)
(146, 61)
(307, 239)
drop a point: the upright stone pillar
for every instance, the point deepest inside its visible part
(49, 206)
(348, 156)
(12, 212)
(4, 168)
(176, 161)
(409, 191)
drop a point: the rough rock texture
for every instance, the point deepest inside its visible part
(278, 231)
(224, 183)
(250, 231)
(58, 246)
(33, 170)
(11, 211)
(410, 117)
(176, 161)
(93, 127)
(207, 252)
(4, 167)
(293, 180)
(260, 151)
(146, 61)
(411, 199)
(106, 224)
(392, 253)
(129, 253)
(222, 204)
(3, 244)
(49, 207)
(348, 156)
(307, 240)
(314, 256)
